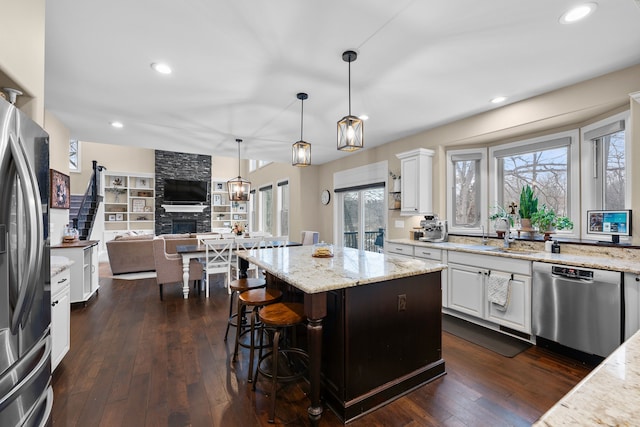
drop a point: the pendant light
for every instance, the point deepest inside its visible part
(239, 188)
(301, 150)
(350, 128)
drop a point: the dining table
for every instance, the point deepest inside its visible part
(357, 294)
(189, 252)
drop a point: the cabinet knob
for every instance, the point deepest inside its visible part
(637, 279)
(53, 304)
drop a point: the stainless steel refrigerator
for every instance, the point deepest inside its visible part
(26, 396)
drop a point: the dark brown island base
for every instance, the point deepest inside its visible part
(374, 323)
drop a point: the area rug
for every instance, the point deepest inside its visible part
(484, 337)
(135, 276)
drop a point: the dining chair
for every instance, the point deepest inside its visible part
(169, 266)
(276, 241)
(218, 253)
(247, 244)
(309, 237)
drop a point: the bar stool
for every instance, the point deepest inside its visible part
(279, 317)
(254, 298)
(236, 287)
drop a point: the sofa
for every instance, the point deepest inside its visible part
(133, 254)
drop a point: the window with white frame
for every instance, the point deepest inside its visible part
(257, 164)
(253, 211)
(266, 209)
(605, 148)
(74, 156)
(467, 189)
(548, 164)
(283, 208)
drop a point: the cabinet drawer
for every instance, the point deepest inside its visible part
(60, 281)
(427, 253)
(399, 248)
(492, 262)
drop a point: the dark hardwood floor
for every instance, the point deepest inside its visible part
(139, 361)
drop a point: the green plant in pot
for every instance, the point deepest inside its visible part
(546, 220)
(528, 206)
(502, 221)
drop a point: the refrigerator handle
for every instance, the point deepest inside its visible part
(16, 391)
(34, 227)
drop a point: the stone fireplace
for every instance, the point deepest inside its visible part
(187, 166)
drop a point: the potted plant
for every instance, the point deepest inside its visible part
(501, 220)
(546, 220)
(528, 206)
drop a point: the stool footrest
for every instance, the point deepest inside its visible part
(284, 360)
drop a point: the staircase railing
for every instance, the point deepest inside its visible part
(90, 200)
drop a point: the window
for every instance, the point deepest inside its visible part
(466, 198)
(548, 164)
(257, 164)
(253, 211)
(74, 156)
(605, 148)
(283, 208)
(266, 209)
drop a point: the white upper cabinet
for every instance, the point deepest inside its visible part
(417, 176)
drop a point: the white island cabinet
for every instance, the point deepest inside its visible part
(84, 271)
(60, 316)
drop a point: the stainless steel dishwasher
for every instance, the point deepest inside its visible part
(577, 307)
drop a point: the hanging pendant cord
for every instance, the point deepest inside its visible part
(349, 87)
(238, 141)
(301, 119)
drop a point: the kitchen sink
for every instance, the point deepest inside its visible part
(515, 251)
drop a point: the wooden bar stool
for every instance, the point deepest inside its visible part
(236, 287)
(254, 298)
(278, 318)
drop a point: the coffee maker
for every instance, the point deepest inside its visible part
(434, 229)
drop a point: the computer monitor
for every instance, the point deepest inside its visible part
(609, 223)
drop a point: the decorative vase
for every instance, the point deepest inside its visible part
(396, 185)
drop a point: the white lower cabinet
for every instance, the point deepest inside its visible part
(631, 304)
(60, 317)
(438, 255)
(467, 289)
(84, 271)
(399, 249)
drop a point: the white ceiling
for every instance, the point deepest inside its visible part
(237, 66)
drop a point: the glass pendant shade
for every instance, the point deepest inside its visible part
(301, 154)
(350, 133)
(301, 150)
(350, 128)
(238, 188)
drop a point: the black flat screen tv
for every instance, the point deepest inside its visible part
(185, 191)
(609, 223)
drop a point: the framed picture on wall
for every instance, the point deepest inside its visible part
(60, 191)
(217, 199)
(119, 217)
(219, 186)
(138, 205)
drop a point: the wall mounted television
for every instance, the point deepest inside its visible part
(182, 191)
(609, 223)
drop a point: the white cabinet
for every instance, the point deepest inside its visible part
(417, 176)
(632, 304)
(468, 275)
(129, 202)
(84, 271)
(60, 317)
(398, 249)
(431, 254)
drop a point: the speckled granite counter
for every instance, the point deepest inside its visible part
(348, 267)
(59, 264)
(605, 258)
(608, 396)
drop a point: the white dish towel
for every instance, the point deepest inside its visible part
(499, 289)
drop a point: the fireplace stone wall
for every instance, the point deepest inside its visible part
(172, 165)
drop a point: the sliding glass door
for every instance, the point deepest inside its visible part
(362, 212)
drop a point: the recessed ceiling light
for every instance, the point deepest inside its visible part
(117, 124)
(363, 117)
(578, 13)
(498, 99)
(161, 68)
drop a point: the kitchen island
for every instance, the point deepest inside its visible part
(382, 316)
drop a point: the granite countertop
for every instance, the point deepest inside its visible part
(76, 244)
(608, 396)
(598, 258)
(348, 267)
(59, 264)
